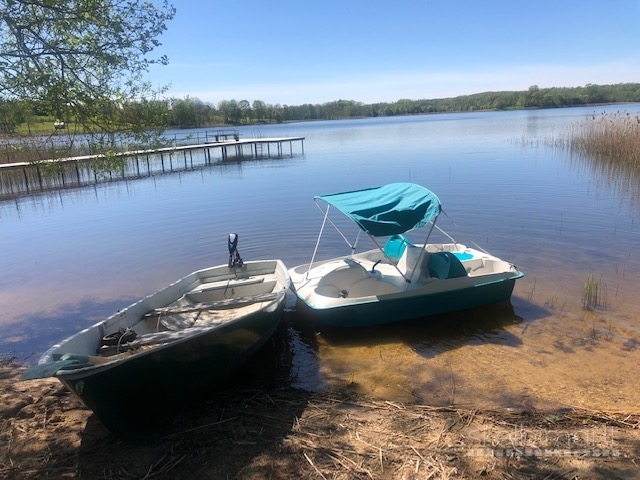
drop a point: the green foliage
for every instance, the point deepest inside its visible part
(12, 115)
(109, 162)
(83, 62)
(50, 169)
(144, 118)
(192, 112)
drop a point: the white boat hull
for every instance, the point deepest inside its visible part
(368, 288)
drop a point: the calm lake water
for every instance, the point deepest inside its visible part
(71, 257)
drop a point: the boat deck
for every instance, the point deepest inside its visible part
(207, 305)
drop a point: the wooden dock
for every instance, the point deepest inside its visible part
(29, 176)
(257, 148)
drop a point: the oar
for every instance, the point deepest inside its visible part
(69, 361)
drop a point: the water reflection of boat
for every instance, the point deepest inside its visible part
(401, 280)
(136, 367)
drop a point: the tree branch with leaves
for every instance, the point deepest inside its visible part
(84, 61)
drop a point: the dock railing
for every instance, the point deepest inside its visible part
(185, 152)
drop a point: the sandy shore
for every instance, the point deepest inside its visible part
(283, 433)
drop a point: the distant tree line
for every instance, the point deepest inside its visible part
(192, 112)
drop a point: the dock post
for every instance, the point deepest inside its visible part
(26, 178)
(39, 176)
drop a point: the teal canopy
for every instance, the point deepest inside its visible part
(387, 210)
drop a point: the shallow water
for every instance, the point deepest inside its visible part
(73, 256)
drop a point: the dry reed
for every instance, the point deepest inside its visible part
(612, 135)
(609, 145)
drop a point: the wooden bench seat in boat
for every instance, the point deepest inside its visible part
(231, 282)
(220, 304)
(214, 294)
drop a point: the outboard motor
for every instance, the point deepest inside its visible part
(234, 257)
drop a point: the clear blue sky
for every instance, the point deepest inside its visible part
(293, 52)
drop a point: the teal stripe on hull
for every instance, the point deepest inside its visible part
(410, 308)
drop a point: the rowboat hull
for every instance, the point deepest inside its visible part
(138, 388)
(136, 398)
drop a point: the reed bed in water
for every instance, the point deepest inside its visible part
(613, 136)
(609, 145)
(594, 294)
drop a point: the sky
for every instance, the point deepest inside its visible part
(306, 51)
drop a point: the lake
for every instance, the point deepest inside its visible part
(72, 257)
